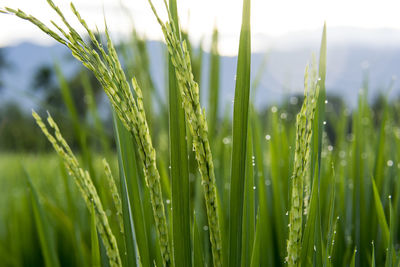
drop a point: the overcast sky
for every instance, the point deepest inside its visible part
(273, 18)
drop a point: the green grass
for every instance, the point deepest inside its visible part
(299, 184)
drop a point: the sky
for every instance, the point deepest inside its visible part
(270, 18)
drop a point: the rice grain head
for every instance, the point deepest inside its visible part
(301, 172)
(85, 185)
(196, 118)
(107, 68)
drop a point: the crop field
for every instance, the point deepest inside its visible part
(177, 182)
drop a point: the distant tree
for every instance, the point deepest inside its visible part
(45, 81)
(3, 66)
(43, 78)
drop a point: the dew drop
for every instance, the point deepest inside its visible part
(268, 137)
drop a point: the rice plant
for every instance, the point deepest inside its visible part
(248, 190)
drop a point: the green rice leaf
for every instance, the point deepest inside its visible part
(309, 246)
(381, 215)
(373, 264)
(255, 255)
(214, 83)
(353, 258)
(318, 124)
(248, 226)
(240, 124)
(43, 228)
(132, 206)
(179, 165)
(391, 255)
(198, 258)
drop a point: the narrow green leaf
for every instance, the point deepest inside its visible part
(179, 165)
(391, 255)
(240, 123)
(309, 246)
(373, 264)
(132, 206)
(248, 225)
(331, 224)
(318, 124)
(380, 150)
(353, 258)
(265, 239)
(198, 258)
(214, 83)
(255, 255)
(381, 215)
(129, 232)
(43, 228)
(279, 184)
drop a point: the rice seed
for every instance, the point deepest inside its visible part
(114, 193)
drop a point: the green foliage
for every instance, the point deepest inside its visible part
(240, 151)
(292, 182)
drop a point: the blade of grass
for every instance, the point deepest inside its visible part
(331, 224)
(198, 258)
(391, 255)
(373, 264)
(320, 111)
(308, 247)
(179, 165)
(265, 240)
(240, 124)
(214, 83)
(255, 255)
(43, 228)
(130, 192)
(73, 213)
(381, 215)
(279, 184)
(248, 225)
(353, 258)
